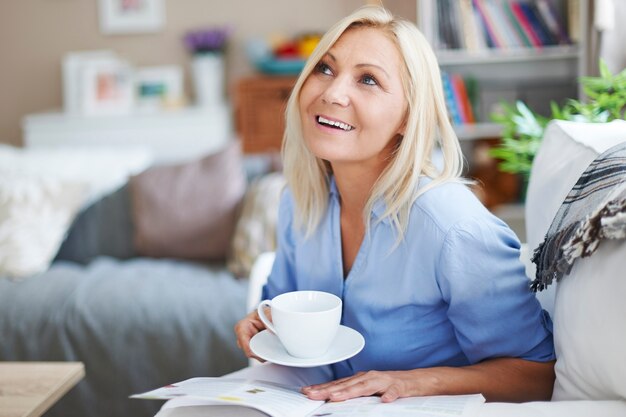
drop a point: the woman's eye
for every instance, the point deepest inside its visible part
(369, 80)
(322, 68)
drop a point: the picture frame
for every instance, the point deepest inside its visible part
(131, 16)
(106, 88)
(73, 65)
(158, 88)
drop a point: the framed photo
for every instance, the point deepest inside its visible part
(131, 16)
(106, 88)
(158, 88)
(73, 65)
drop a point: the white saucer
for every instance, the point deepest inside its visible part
(347, 343)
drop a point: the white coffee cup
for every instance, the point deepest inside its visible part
(306, 322)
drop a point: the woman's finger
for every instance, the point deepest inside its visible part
(327, 390)
(322, 388)
(359, 387)
(245, 329)
(392, 394)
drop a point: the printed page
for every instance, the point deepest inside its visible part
(436, 406)
(273, 399)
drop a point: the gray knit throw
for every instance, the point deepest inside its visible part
(594, 209)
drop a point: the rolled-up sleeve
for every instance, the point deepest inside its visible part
(282, 277)
(482, 280)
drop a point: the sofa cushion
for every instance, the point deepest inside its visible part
(255, 232)
(35, 213)
(588, 309)
(105, 228)
(590, 335)
(188, 210)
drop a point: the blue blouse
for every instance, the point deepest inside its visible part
(453, 293)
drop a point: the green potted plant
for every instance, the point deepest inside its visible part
(522, 129)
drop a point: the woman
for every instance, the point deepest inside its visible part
(427, 275)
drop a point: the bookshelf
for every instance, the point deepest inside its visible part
(507, 58)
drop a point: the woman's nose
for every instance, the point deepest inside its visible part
(336, 92)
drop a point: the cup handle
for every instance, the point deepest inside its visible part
(261, 311)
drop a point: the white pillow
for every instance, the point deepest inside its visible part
(35, 213)
(590, 333)
(566, 151)
(41, 190)
(589, 310)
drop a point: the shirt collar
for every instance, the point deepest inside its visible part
(378, 209)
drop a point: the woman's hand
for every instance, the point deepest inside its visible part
(246, 328)
(390, 385)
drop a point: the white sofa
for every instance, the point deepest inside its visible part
(588, 306)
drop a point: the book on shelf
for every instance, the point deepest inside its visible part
(519, 17)
(500, 24)
(197, 396)
(553, 21)
(462, 99)
(573, 20)
(458, 99)
(453, 110)
(469, 27)
(537, 24)
(494, 38)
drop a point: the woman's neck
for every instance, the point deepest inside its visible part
(354, 186)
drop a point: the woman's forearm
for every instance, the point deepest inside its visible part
(501, 379)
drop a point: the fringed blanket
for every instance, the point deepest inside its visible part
(594, 209)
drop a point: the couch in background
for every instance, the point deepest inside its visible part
(134, 284)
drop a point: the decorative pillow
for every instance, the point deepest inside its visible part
(188, 210)
(42, 189)
(589, 307)
(105, 228)
(35, 213)
(590, 334)
(256, 228)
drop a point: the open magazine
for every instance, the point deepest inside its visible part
(191, 397)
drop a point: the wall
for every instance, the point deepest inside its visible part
(35, 34)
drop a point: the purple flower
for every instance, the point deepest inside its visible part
(207, 40)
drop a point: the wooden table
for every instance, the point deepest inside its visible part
(28, 389)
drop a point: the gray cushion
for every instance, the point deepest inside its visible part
(104, 228)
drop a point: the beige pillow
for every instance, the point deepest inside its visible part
(256, 228)
(189, 210)
(35, 214)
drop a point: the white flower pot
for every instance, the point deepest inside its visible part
(208, 78)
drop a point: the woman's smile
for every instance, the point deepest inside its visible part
(332, 125)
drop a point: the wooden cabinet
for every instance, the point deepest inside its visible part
(260, 104)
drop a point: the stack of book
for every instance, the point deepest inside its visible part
(505, 24)
(459, 94)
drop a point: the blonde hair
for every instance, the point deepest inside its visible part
(427, 124)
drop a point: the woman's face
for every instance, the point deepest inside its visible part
(352, 105)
